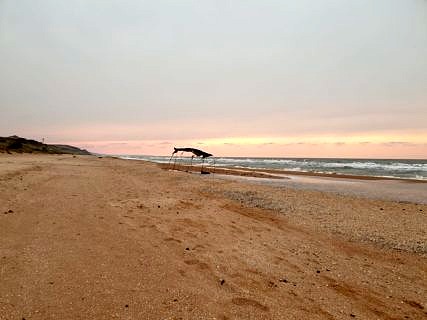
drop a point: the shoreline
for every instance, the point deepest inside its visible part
(275, 173)
(399, 190)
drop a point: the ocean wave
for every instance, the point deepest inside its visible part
(412, 169)
(397, 166)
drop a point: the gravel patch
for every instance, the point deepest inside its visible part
(388, 224)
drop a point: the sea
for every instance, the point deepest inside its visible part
(391, 168)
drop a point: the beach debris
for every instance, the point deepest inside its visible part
(284, 280)
(317, 271)
(195, 153)
(187, 248)
(221, 281)
(352, 315)
(126, 306)
(8, 211)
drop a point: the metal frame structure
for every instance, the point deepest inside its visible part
(195, 153)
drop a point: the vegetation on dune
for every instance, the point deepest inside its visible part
(22, 145)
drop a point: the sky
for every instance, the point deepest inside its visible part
(235, 78)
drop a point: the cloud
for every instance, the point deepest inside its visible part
(127, 77)
(268, 143)
(398, 143)
(115, 144)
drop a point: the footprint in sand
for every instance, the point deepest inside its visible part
(128, 204)
(172, 239)
(243, 302)
(197, 263)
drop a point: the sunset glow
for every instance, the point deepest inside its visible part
(276, 79)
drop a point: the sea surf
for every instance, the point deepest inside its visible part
(391, 168)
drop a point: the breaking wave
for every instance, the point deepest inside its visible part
(409, 169)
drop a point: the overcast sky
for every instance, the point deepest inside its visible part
(239, 77)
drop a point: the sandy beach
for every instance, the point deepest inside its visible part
(84, 237)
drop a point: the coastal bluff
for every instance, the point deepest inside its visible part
(22, 145)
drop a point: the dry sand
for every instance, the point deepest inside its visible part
(90, 238)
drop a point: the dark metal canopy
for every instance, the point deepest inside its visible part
(196, 152)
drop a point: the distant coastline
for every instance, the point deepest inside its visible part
(15, 144)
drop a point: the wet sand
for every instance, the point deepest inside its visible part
(394, 190)
(278, 174)
(102, 238)
(382, 188)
